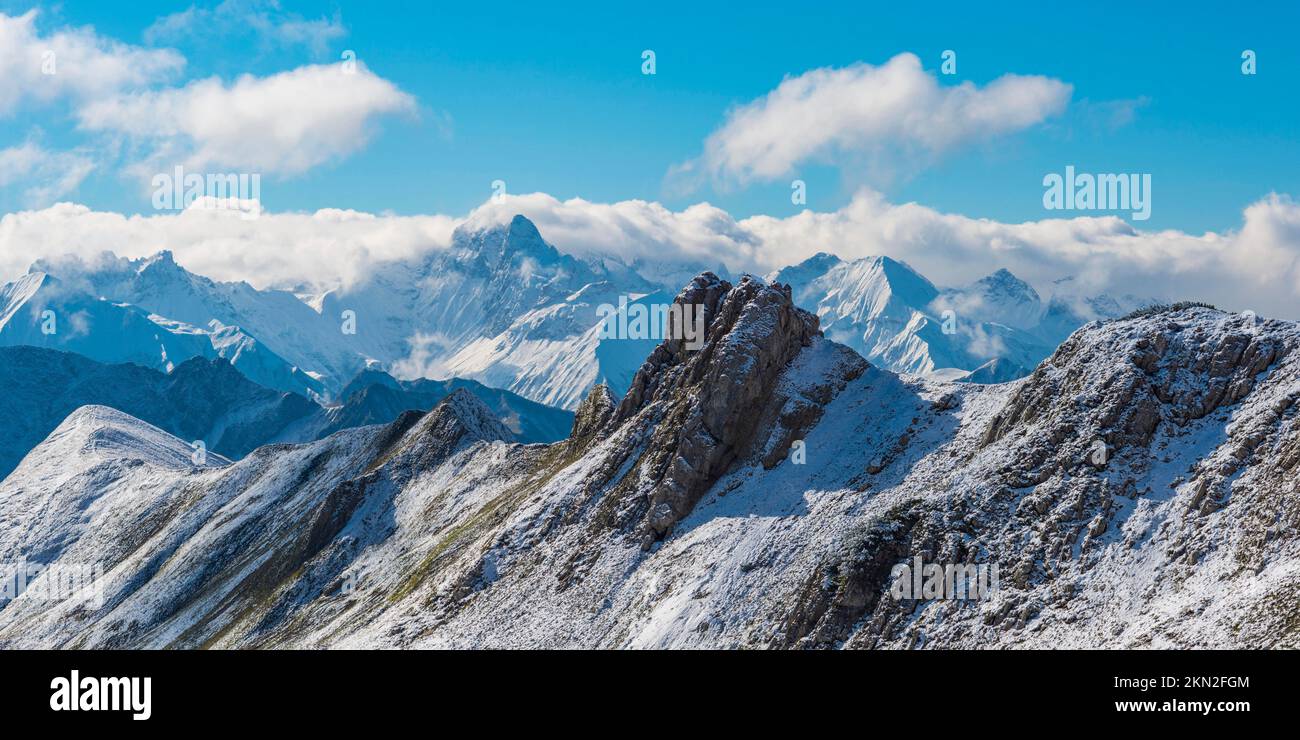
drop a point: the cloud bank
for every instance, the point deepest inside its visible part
(1254, 267)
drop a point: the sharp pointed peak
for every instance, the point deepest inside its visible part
(523, 225)
(161, 261)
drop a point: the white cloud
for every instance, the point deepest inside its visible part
(1255, 267)
(631, 229)
(283, 124)
(85, 65)
(262, 19)
(44, 175)
(324, 249)
(875, 112)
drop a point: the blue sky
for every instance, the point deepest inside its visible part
(552, 99)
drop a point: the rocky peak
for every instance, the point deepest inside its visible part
(505, 244)
(459, 420)
(1130, 376)
(708, 403)
(592, 415)
(465, 412)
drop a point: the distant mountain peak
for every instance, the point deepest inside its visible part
(163, 258)
(522, 226)
(503, 243)
(474, 416)
(1006, 283)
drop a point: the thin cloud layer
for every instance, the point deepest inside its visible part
(868, 111)
(1256, 267)
(317, 251)
(262, 19)
(44, 175)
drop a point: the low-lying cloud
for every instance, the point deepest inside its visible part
(1256, 266)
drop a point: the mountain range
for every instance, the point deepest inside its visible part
(996, 328)
(1135, 490)
(502, 306)
(211, 401)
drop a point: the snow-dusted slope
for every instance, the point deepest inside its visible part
(43, 311)
(557, 353)
(756, 492)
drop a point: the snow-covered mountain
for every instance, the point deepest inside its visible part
(996, 329)
(505, 307)
(502, 306)
(212, 402)
(41, 310)
(1134, 491)
(558, 353)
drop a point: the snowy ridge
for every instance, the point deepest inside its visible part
(102, 433)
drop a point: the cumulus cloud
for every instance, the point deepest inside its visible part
(44, 175)
(284, 124)
(869, 111)
(263, 20)
(1254, 267)
(71, 62)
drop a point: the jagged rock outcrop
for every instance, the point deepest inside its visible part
(709, 401)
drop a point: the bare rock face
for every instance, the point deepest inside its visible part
(709, 402)
(593, 413)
